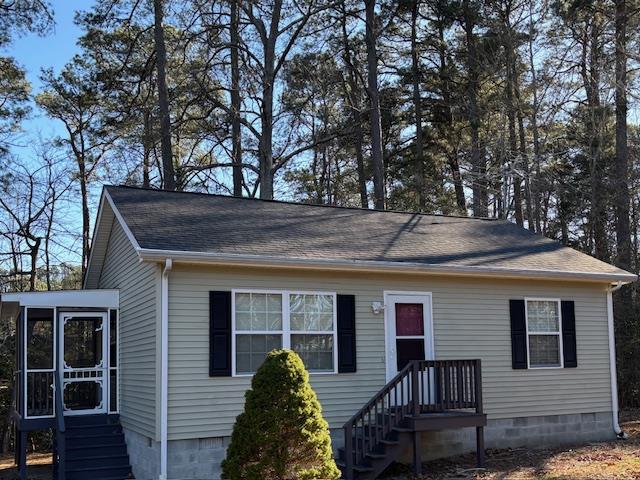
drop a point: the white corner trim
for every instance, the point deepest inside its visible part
(164, 368)
(213, 258)
(612, 362)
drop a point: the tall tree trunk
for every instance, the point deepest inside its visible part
(478, 163)
(535, 187)
(417, 108)
(86, 218)
(591, 79)
(266, 111)
(47, 241)
(625, 322)
(266, 135)
(147, 147)
(377, 159)
(34, 251)
(524, 158)
(510, 61)
(353, 97)
(236, 132)
(169, 177)
(513, 162)
(623, 234)
(447, 130)
(525, 166)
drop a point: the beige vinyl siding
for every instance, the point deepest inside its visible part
(471, 320)
(138, 283)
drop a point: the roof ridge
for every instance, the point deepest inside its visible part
(288, 202)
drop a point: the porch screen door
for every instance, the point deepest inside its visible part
(84, 366)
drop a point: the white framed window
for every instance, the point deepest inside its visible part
(544, 332)
(304, 322)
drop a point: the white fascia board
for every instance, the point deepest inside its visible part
(66, 298)
(106, 198)
(152, 255)
(123, 224)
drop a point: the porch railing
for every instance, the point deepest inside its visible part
(421, 387)
(39, 393)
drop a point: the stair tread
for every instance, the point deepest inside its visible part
(358, 468)
(96, 457)
(119, 477)
(99, 425)
(88, 444)
(93, 446)
(112, 434)
(95, 469)
(376, 455)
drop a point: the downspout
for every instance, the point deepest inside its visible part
(164, 368)
(612, 361)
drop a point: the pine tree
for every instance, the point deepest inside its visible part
(281, 434)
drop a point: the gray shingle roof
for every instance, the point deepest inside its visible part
(202, 223)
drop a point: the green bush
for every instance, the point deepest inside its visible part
(281, 435)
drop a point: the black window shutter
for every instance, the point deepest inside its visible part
(569, 350)
(220, 334)
(518, 334)
(346, 333)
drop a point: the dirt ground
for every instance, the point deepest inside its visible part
(39, 467)
(599, 461)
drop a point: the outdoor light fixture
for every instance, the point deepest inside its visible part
(377, 307)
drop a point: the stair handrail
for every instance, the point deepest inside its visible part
(394, 381)
(60, 429)
(400, 414)
(424, 386)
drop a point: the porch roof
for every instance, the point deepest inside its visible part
(11, 302)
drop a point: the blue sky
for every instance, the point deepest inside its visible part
(54, 50)
(34, 53)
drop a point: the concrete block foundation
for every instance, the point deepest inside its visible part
(200, 459)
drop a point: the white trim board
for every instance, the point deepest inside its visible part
(286, 331)
(106, 199)
(103, 367)
(558, 333)
(66, 298)
(390, 298)
(225, 259)
(123, 224)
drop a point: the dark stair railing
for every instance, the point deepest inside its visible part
(422, 387)
(60, 450)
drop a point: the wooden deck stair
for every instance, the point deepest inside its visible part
(95, 448)
(425, 395)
